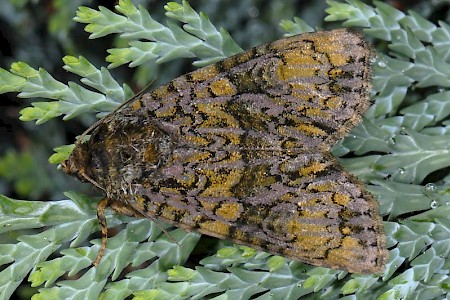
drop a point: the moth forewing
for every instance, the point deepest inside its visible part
(241, 150)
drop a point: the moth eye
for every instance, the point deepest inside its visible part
(96, 163)
(98, 160)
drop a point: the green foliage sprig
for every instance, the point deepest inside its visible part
(197, 37)
(72, 99)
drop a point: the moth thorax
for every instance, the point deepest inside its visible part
(139, 152)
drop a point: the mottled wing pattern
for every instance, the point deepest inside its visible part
(240, 150)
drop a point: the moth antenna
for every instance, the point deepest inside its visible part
(161, 227)
(101, 206)
(85, 176)
(144, 89)
(103, 120)
(166, 232)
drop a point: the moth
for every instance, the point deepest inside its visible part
(240, 150)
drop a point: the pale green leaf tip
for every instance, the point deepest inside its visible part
(91, 28)
(350, 287)
(22, 69)
(61, 154)
(85, 14)
(118, 57)
(226, 252)
(147, 295)
(247, 251)
(275, 262)
(126, 7)
(70, 60)
(40, 111)
(173, 7)
(180, 273)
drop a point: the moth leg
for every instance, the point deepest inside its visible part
(123, 209)
(101, 206)
(120, 208)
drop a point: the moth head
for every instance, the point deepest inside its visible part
(119, 153)
(79, 165)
